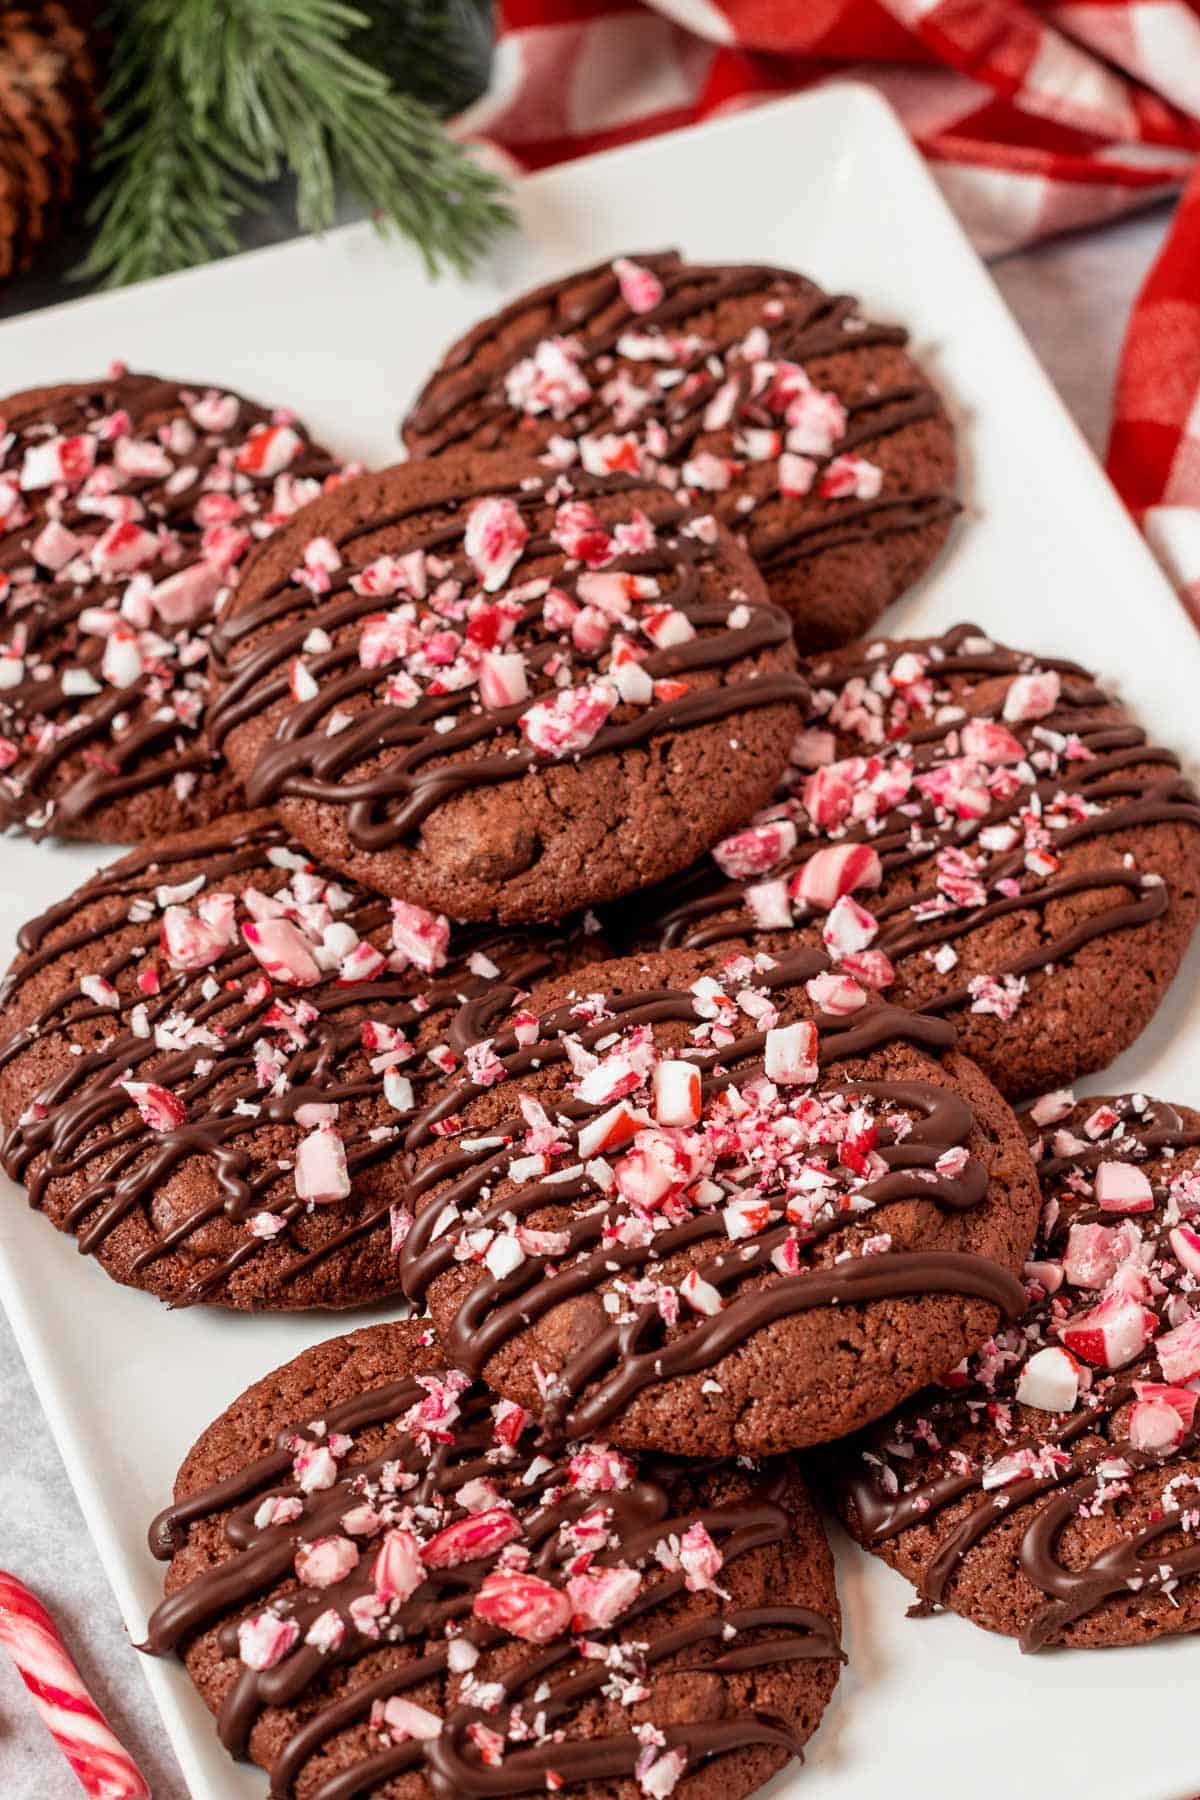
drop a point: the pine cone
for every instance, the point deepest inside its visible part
(49, 77)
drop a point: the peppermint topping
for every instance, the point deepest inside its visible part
(615, 383)
(938, 789)
(540, 623)
(653, 1129)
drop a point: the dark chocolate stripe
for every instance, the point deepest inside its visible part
(1135, 1561)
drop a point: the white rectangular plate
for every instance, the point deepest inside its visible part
(344, 329)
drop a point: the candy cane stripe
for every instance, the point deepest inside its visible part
(104, 1769)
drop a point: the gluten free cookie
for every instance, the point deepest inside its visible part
(502, 692)
(127, 507)
(978, 832)
(1048, 1488)
(806, 426)
(210, 1052)
(714, 1213)
(382, 1582)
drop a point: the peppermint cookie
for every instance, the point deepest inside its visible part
(806, 427)
(212, 1048)
(1049, 1488)
(983, 834)
(501, 692)
(382, 1582)
(127, 506)
(686, 1213)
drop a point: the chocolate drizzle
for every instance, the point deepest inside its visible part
(390, 766)
(1126, 783)
(406, 1473)
(80, 752)
(1076, 1459)
(470, 1181)
(86, 1154)
(466, 400)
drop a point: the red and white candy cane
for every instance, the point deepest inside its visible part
(72, 1717)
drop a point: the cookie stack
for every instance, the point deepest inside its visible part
(637, 1005)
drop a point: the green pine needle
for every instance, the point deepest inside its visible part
(210, 97)
(435, 50)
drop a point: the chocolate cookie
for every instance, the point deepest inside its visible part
(127, 506)
(383, 1583)
(807, 428)
(501, 692)
(678, 1211)
(211, 1049)
(980, 833)
(1049, 1488)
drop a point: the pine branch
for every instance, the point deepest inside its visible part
(174, 199)
(210, 95)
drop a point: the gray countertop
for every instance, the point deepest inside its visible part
(1072, 297)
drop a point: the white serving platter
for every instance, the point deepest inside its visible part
(343, 329)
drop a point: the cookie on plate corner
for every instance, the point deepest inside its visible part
(1048, 1489)
(383, 1582)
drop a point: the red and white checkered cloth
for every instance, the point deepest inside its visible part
(1037, 117)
